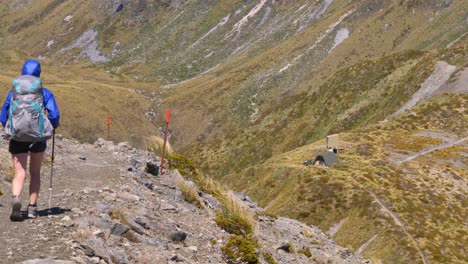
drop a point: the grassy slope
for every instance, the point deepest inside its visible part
(426, 194)
(362, 94)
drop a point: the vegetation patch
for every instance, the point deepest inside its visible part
(190, 194)
(269, 258)
(242, 248)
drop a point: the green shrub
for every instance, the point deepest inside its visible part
(241, 248)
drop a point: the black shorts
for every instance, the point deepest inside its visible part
(17, 147)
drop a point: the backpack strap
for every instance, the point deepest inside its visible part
(16, 86)
(38, 109)
(13, 107)
(34, 85)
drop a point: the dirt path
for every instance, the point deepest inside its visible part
(426, 151)
(46, 235)
(400, 223)
(396, 220)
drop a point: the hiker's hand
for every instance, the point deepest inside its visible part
(6, 137)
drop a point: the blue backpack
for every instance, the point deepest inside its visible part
(27, 120)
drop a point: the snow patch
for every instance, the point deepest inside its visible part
(67, 18)
(253, 105)
(209, 55)
(313, 14)
(341, 35)
(319, 11)
(50, 43)
(319, 39)
(285, 68)
(302, 7)
(237, 27)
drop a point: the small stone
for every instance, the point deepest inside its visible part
(119, 229)
(136, 227)
(68, 224)
(178, 236)
(152, 169)
(66, 218)
(286, 247)
(124, 145)
(129, 197)
(87, 250)
(167, 206)
(142, 222)
(193, 248)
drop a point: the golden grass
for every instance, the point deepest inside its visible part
(190, 193)
(155, 144)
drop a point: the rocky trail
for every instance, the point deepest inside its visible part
(106, 208)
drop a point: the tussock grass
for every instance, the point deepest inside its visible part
(119, 214)
(82, 233)
(155, 144)
(190, 193)
(234, 217)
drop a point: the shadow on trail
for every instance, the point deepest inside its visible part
(46, 212)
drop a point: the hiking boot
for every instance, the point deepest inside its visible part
(32, 211)
(15, 209)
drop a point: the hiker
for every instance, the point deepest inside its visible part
(27, 127)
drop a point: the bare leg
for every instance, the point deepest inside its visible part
(19, 165)
(35, 172)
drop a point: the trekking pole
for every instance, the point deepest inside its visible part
(168, 117)
(51, 170)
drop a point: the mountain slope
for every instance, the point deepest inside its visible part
(252, 83)
(413, 166)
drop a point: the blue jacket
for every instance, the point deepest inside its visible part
(32, 67)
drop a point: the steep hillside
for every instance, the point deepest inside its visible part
(244, 56)
(398, 193)
(363, 94)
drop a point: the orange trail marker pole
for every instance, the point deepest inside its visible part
(168, 117)
(108, 127)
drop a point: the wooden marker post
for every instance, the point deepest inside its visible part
(168, 117)
(108, 127)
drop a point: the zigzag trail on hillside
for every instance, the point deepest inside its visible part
(107, 209)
